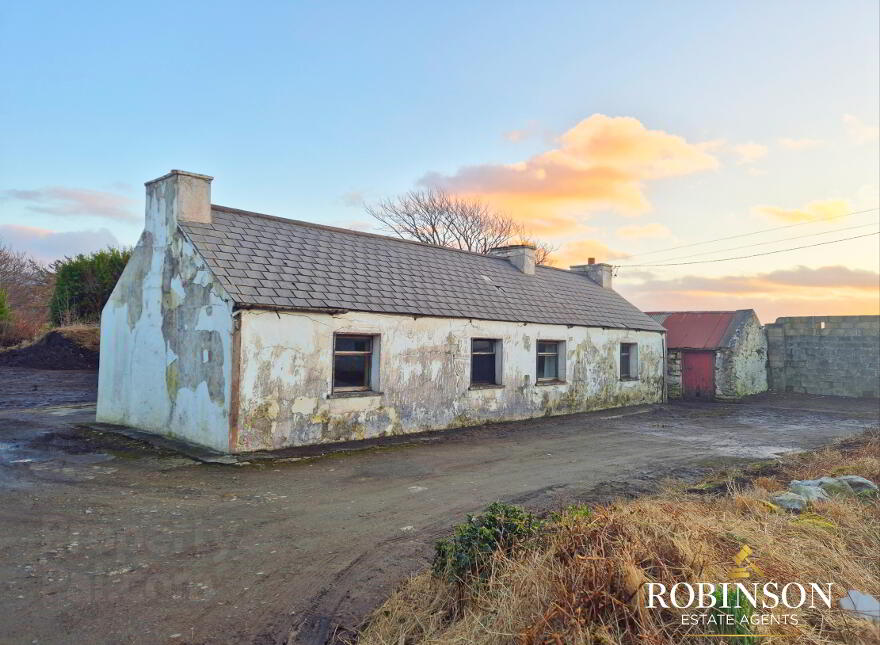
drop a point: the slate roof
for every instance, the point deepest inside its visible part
(702, 329)
(276, 263)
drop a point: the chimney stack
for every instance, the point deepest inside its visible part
(522, 256)
(176, 197)
(599, 273)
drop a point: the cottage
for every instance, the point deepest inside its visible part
(714, 354)
(241, 331)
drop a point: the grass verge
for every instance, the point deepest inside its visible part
(584, 579)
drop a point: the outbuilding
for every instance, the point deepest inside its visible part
(714, 354)
(242, 331)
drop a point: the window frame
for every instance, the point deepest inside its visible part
(632, 367)
(368, 368)
(559, 367)
(496, 353)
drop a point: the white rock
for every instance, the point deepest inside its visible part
(860, 603)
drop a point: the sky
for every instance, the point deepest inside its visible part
(632, 132)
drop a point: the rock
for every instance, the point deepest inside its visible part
(859, 484)
(809, 493)
(862, 604)
(837, 487)
(814, 482)
(789, 501)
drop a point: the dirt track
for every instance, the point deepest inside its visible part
(105, 540)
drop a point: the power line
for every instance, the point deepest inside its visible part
(765, 230)
(753, 255)
(782, 239)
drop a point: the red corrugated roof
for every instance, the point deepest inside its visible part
(696, 329)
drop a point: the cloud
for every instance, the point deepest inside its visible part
(602, 162)
(354, 199)
(750, 152)
(574, 253)
(797, 291)
(654, 230)
(799, 144)
(859, 131)
(531, 129)
(46, 245)
(812, 212)
(75, 201)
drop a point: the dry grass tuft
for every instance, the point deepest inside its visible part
(585, 582)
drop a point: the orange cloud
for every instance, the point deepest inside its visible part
(859, 131)
(830, 290)
(602, 162)
(574, 253)
(812, 212)
(799, 144)
(654, 230)
(750, 152)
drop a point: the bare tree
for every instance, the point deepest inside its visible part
(436, 217)
(27, 285)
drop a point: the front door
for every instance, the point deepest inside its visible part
(698, 375)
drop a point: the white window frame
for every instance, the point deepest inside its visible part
(497, 351)
(560, 360)
(373, 355)
(633, 354)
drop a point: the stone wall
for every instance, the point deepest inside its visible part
(837, 355)
(741, 369)
(673, 374)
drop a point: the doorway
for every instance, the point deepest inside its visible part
(698, 375)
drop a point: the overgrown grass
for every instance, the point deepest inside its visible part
(584, 580)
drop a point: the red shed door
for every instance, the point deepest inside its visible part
(698, 375)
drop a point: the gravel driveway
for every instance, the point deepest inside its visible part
(104, 539)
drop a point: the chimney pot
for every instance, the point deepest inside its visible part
(591, 260)
(522, 256)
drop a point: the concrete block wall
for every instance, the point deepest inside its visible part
(837, 355)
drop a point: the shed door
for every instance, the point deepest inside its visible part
(698, 375)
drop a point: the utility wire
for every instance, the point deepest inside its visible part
(782, 239)
(765, 230)
(753, 255)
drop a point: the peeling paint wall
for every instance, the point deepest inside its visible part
(741, 370)
(837, 355)
(424, 376)
(166, 335)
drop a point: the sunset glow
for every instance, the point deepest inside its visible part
(631, 133)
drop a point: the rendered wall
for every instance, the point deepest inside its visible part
(741, 369)
(166, 336)
(837, 355)
(424, 376)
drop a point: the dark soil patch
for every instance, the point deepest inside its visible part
(60, 349)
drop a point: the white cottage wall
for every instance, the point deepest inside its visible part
(424, 376)
(166, 332)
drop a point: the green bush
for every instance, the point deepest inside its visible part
(4, 307)
(467, 553)
(83, 285)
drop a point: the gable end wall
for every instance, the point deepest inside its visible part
(166, 339)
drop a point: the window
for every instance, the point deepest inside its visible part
(485, 361)
(352, 363)
(629, 361)
(548, 361)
